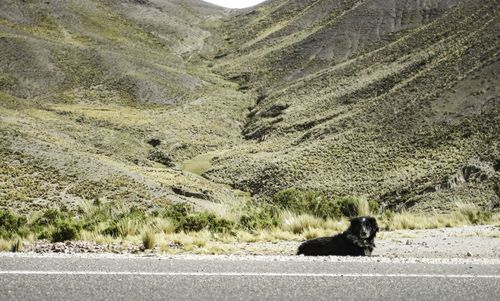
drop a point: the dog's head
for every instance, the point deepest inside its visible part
(364, 227)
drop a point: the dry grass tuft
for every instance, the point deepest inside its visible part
(162, 225)
(11, 245)
(148, 239)
(189, 241)
(5, 245)
(299, 223)
(97, 237)
(314, 233)
(363, 207)
(471, 213)
(405, 220)
(128, 227)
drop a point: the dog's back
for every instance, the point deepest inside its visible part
(338, 245)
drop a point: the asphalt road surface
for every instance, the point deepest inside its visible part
(214, 278)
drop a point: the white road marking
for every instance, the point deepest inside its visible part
(236, 274)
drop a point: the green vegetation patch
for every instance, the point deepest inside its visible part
(52, 224)
(259, 216)
(318, 204)
(189, 221)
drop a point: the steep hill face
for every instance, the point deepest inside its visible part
(134, 50)
(395, 100)
(158, 101)
(106, 99)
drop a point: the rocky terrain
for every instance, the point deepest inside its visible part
(161, 101)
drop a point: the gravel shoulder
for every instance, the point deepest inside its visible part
(475, 241)
(466, 244)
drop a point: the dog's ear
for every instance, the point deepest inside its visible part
(374, 224)
(354, 221)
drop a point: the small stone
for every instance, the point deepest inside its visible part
(469, 254)
(408, 242)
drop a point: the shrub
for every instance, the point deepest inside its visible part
(49, 217)
(260, 217)
(161, 157)
(306, 202)
(135, 213)
(221, 225)
(199, 221)
(111, 230)
(177, 212)
(317, 204)
(56, 226)
(123, 224)
(288, 198)
(66, 230)
(194, 223)
(45, 233)
(11, 224)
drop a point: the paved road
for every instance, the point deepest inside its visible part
(209, 278)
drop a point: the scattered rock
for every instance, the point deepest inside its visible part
(73, 247)
(190, 194)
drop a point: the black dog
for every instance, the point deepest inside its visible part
(357, 240)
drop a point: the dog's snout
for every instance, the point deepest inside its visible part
(365, 232)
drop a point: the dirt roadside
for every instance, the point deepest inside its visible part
(472, 243)
(463, 242)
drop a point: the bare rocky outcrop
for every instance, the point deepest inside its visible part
(474, 171)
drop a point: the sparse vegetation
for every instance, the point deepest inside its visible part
(120, 107)
(320, 205)
(190, 230)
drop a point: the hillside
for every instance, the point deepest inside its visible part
(395, 100)
(106, 99)
(160, 101)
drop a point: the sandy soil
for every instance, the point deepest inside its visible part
(477, 241)
(472, 241)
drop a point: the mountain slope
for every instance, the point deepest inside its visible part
(159, 101)
(105, 99)
(394, 100)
